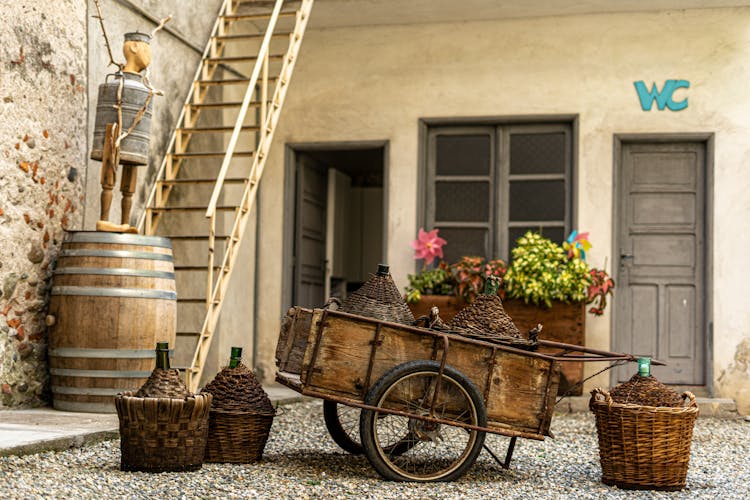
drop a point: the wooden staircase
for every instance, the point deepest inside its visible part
(215, 159)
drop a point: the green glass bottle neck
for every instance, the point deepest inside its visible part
(162, 355)
(644, 367)
(235, 357)
(491, 286)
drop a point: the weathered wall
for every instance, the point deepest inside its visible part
(42, 170)
(362, 84)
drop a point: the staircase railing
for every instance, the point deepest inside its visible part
(257, 95)
(268, 120)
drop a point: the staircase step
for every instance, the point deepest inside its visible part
(249, 36)
(257, 17)
(198, 237)
(231, 59)
(211, 154)
(207, 180)
(231, 81)
(188, 334)
(194, 268)
(211, 130)
(216, 105)
(191, 209)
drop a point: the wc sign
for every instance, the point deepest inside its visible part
(663, 98)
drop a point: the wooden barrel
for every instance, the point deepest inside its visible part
(113, 297)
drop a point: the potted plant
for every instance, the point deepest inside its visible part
(544, 283)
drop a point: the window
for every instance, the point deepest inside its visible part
(487, 185)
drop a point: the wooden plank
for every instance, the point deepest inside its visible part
(290, 349)
(562, 323)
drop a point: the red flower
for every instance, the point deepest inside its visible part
(428, 246)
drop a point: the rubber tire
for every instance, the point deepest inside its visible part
(336, 430)
(378, 390)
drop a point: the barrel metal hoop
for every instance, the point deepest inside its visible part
(90, 391)
(69, 372)
(93, 291)
(116, 271)
(122, 254)
(118, 239)
(75, 352)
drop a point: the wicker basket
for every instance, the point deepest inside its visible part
(644, 447)
(163, 427)
(162, 434)
(240, 418)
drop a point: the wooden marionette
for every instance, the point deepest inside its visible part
(123, 123)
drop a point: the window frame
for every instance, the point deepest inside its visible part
(500, 178)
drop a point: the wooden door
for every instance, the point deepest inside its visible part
(310, 235)
(661, 291)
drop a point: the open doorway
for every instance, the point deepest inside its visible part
(335, 201)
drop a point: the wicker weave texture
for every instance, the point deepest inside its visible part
(162, 434)
(163, 384)
(379, 298)
(240, 418)
(237, 436)
(485, 317)
(643, 447)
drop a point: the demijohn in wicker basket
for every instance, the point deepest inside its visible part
(241, 415)
(163, 427)
(379, 298)
(644, 447)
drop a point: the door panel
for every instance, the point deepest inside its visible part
(310, 236)
(661, 210)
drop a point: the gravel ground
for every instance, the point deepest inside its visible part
(301, 461)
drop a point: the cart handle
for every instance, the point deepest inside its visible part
(605, 355)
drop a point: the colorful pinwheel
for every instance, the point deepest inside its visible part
(577, 245)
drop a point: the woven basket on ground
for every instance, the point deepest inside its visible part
(163, 428)
(644, 447)
(379, 298)
(240, 418)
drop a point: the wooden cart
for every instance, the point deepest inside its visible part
(422, 399)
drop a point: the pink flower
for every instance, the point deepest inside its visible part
(428, 246)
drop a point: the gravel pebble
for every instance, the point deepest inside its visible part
(301, 462)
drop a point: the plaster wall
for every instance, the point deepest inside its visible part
(365, 84)
(42, 169)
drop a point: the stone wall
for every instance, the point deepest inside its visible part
(42, 170)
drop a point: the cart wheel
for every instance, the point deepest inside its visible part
(342, 423)
(436, 452)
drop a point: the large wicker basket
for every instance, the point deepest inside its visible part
(240, 418)
(644, 447)
(162, 434)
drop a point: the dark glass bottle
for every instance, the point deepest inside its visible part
(235, 357)
(162, 355)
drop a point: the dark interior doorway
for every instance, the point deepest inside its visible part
(338, 229)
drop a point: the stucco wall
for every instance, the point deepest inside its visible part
(42, 169)
(359, 84)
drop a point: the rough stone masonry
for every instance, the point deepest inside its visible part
(42, 163)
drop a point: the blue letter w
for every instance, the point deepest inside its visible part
(664, 98)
